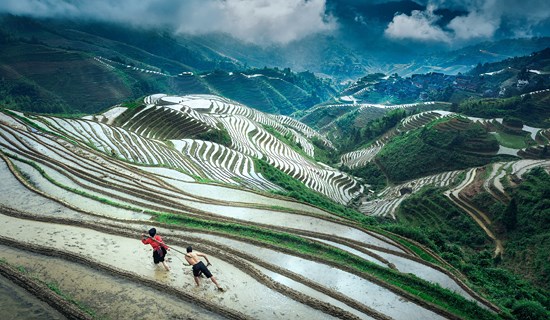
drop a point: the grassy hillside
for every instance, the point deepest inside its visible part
(443, 145)
(270, 90)
(431, 219)
(523, 224)
(527, 221)
(57, 80)
(532, 109)
(71, 67)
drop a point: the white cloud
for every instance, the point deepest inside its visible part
(485, 18)
(258, 21)
(474, 25)
(420, 25)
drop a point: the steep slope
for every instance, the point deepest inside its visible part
(248, 131)
(66, 196)
(70, 67)
(447, 142)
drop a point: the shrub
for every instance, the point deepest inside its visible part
(529, 310)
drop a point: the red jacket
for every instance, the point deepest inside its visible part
(153, 243)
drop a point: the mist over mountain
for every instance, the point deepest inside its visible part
(344, 159)
(342, 39)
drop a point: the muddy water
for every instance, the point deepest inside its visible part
(353, 251)
(108, 296)
(410, 266)
(424, 272)
(310, 292)
(234, 195)
(244, 293)
(18, 304)
(295, 221)
(359, 289)
(8, 120)
(14, 194)
(74, 199)
(167, 173)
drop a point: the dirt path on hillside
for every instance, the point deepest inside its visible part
(479, 217)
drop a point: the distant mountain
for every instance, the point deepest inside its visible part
(464, 59)
(66, 66)
(69, 67)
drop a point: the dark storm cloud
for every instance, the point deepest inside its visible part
(259, 21)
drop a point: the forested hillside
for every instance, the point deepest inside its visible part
(418, 189)
(71, 68)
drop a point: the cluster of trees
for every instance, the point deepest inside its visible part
(25, 95)
(426, 151)
(220, 136)
(532, 109)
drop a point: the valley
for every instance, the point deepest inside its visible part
(108, 176)
(344, 169)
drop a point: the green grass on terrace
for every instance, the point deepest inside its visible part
(444, 298)
(424, 290)
(513, 140)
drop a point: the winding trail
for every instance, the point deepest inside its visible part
(479, 217)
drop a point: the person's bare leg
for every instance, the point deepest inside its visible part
(197, 281)
(165, 266)
(216, 283)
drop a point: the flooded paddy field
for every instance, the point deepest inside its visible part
(107, 296)
(72, 216)
(18, 304)
(244, 293)
(350, 285)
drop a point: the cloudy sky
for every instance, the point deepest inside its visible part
(482, 19)
(284, 21)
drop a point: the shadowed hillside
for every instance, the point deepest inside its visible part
(68, 67)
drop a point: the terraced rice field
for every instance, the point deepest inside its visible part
(388, 200)
(501, 173)
(74, 211)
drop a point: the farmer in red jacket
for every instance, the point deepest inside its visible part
(159, 247)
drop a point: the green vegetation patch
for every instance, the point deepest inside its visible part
(133, 104)
(354, 135)
(299, 191)
(431, 219)
(526, 220)
(372, 175)
(531, 109)
(287, 139)
(438, 147)
(219, 135)
(323, 153)
(514, 141)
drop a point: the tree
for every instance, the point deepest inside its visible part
(510, 218)
(529, 310)
(454, 107)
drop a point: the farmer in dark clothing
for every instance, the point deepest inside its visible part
(199, 267)
(159, 247)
